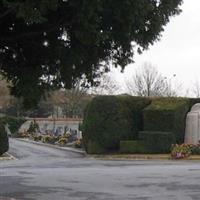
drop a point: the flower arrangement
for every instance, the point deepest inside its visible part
(78, 143)
(182, 150)
(48, 139)
(37, 137)
(24, 134)
(66, 135)
(62, 141)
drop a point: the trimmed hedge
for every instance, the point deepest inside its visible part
(156, 141)
(4, 145)
(168, 115)
(95, 148)
(110, 119)
(149, 142)
(132, 146)
(193, 101)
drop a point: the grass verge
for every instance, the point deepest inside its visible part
(142, 157)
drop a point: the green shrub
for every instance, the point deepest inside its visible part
(195, 149)
(156, 141)
(193, 101)
(95, 148)
(132, 146)
(168, 115)
(4, 144)
(33, 128)
(14, 123)
(110, 119)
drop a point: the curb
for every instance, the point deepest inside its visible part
(11, 156)
(53, 146)
(131, 158)
(144, 157)
(7, 156)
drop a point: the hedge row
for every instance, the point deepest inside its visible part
(4, 145)
(157, 141)
(149, 142)
(133, 146)
(159, 122)
(193, 101)
(167, 114)
(110, 119)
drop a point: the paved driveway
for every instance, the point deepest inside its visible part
(44, 173)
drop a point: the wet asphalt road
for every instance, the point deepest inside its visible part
(44, 173)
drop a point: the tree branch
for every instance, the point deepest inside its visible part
(6, 13)
(28, 34)
(32, 33)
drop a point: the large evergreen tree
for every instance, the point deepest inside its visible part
(52, 43)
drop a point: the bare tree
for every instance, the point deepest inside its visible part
(196, 89)
(107, 86)
(173, 88)
(70, 103)
(75, 100)
(147, 81)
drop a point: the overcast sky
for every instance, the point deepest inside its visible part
(178, 51)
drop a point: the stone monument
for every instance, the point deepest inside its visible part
(192, 129)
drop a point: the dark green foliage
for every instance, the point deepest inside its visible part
(33, 128)
(35, 56)
(167, 114)
(133, 146)
(95, 148)
(4, 145)
(157, 142)
(193, 101)
(110, 119)
(149, 142)
(14, 123)
(195, 149)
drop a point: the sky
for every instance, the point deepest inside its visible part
(178, 51)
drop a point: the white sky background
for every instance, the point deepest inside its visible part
(178, 51)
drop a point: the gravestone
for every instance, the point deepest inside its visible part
(192, 129)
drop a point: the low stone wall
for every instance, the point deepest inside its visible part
(56, 126)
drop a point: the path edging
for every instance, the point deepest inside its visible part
(53, 146)
(7, 156)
